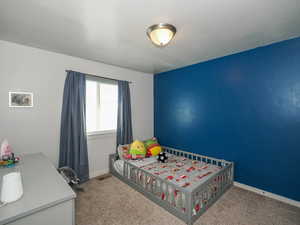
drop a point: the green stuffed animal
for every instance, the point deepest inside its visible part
(153, 148)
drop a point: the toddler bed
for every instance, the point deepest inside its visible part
(185, 186)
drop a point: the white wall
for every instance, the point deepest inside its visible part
(42, 72)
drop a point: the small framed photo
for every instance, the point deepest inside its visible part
(20, 99)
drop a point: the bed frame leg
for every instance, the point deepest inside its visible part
(189, 208)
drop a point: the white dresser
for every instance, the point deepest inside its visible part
(47, 199)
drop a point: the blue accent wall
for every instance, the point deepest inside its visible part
(243, 107)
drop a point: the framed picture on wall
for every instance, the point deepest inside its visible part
(20, 99)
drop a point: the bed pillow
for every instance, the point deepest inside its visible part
(123, 151)
(152, 146)
(137, 150)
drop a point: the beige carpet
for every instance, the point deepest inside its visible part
(111, 202)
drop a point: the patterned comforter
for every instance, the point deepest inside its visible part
(181, 171)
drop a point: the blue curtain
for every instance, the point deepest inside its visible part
(73, 140)
(124, 125)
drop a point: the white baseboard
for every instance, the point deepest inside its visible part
(268, 194)
(98, 173)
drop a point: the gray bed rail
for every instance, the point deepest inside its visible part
(188, 205)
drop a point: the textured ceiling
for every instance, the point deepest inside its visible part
(114, 31)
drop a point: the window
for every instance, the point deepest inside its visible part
(101, 106)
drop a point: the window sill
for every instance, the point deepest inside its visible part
(100, 134)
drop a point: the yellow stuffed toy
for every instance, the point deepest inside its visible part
(137, 150)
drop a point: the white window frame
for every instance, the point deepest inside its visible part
(92, 134)
(97, 134)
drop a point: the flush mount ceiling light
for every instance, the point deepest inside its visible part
(161, 34)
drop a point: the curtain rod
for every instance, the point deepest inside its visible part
(130, 82)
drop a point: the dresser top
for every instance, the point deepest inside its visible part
(43, 187)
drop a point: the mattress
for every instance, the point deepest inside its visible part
(180, 171)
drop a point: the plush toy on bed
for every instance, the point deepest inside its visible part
(137, 150)
(152, 146)
(162, 157)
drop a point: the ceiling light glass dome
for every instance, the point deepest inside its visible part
(161, 34)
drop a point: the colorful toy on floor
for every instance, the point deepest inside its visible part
(153, 148)
(162, 157)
